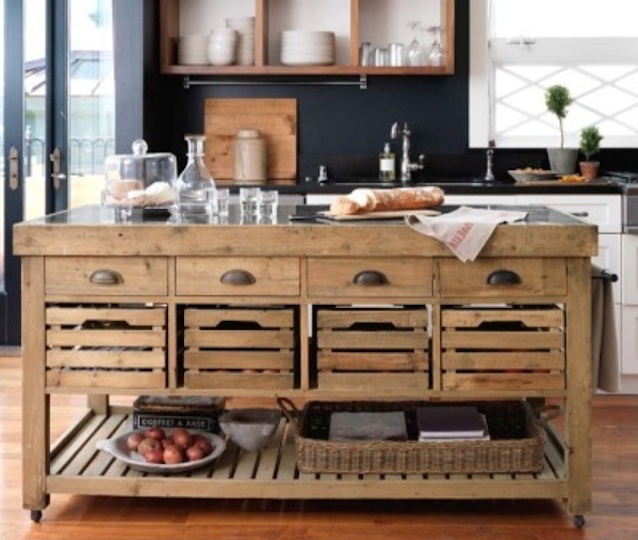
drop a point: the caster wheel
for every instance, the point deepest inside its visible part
(36, 516)
(579, 521)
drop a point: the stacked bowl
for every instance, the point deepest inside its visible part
(192, 49)
(245, 27)
(222, 46)
(307, 48)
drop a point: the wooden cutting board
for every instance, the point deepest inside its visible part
(276, 120)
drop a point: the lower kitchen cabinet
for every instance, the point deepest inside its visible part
(305, 311)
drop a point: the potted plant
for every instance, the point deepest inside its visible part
(561, 160)
(590, 138)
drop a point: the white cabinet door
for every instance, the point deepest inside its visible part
(479, 200)
(630, 269)
(313, 198)
(602, 210)
(629, 332)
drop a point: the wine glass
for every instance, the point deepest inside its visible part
(436, 53)
(415, 52)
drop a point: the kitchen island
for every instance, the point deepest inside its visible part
(112, 309)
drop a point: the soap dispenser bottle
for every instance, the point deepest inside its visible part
(387, 164)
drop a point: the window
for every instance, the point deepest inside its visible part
(520, 48)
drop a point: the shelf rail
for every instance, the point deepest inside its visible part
(361, 82)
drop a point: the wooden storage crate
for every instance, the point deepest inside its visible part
(503, 348)
(372, 348)
(106, 346)
(240, 348)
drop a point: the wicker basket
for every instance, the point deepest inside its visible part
(516, 444)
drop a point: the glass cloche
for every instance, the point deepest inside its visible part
(140, 179)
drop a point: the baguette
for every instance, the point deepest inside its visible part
(361, 201)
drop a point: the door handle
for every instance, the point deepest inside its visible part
(56, 175)
(14, 178)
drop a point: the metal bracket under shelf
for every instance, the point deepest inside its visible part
(362, 82)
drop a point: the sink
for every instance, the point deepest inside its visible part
(372, 183)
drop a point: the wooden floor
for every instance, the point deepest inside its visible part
(615, 514)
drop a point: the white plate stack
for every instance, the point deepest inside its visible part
(245, 27)
(307, 48)
(222, 46)
(192, 49)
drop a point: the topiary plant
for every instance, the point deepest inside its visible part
(590, 138)
(557, 99)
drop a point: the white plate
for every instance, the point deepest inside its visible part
(118, 449)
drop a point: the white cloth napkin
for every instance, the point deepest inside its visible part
(466, 230)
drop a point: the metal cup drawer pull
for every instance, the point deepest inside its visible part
(106, 277)
(503, 277)
(370, 278)
(237, 277)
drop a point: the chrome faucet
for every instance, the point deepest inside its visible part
(406, 165)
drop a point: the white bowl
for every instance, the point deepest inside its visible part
(250, 429)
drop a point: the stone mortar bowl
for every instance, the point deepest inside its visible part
(250, 429)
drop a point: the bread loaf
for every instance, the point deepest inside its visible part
(361, 201)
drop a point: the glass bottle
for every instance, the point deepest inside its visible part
(195, 187)
(387, 164)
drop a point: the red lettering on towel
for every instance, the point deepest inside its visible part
(461, 234)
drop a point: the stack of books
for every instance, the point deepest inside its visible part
(451, 423)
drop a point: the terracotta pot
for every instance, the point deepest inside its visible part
(589, 169)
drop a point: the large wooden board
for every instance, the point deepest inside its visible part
(276, 120)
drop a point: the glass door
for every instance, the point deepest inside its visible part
(59, 120)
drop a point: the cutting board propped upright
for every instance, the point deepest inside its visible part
(276, 120)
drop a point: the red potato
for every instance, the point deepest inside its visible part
(148, 444)
(154, 455)
(134, 439)
(194, 453)
(182, 438)
(173, 455)
(203, 444)
(156, 433)
(167, 442)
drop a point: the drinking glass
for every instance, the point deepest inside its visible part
(381, 57)
(249, 201)
(222, 201)
(436, 53)
(415, 53)
(268, 202)
(397, 54)
(365, 54)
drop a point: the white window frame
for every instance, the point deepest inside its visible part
(547, 51)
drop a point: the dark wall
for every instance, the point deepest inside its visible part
(345, 127)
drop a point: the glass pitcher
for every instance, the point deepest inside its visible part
(195, 187)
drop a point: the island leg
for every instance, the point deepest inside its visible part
(35, 401)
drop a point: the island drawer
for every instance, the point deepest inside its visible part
(234, 348)
(370, 277)
(372, 348)
(233, 276)
(106, 276)
(106, 346)
(503, 277)
(503, 348)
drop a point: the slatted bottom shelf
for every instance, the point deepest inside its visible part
(77, 467)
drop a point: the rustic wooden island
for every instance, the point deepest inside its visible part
(125, 309)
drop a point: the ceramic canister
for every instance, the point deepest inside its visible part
(250, 157)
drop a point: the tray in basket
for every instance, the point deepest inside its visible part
(515, 446)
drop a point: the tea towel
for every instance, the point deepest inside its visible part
(465, 230)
